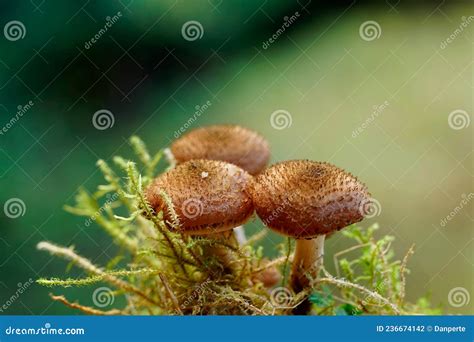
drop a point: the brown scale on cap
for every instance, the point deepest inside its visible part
(303, 198)
(208, 196)
(234, 144)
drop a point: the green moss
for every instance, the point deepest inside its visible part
(162, 272)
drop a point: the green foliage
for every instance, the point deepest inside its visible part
(159, 271)
(369, 280)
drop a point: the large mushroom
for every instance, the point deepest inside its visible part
(230, 143)
(209, 198)
(306, 200)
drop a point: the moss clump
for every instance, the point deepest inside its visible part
(162, 272)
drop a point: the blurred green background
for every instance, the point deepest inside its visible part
(324, 77)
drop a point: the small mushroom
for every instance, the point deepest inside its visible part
(269, 276)
(306, 200)
(230, 143)
(209, 198)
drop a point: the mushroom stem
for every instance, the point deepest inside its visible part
(307, 262)
(239, 233)
(221, 252)
(170, 157)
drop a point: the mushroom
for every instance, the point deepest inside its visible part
(269, 275)
(306, 200)
(231, 143)
(209, 198)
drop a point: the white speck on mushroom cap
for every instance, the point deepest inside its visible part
(217, 202)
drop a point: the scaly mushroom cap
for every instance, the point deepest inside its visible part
(303, 199)
(233, 144)
(208, 196)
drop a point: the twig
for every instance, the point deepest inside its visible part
(344, 283)
(85, 309)
(157, 224)
(287, 258)
(85, 264)
(274, 262)
(173, 298)
(338, 254)
(256, 237)
(90, 280)
(403, 268)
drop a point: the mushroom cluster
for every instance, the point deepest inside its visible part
(221, 178)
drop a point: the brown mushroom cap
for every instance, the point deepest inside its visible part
(233, 144)
(208, 196)
(270, 276)
(303, 199)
